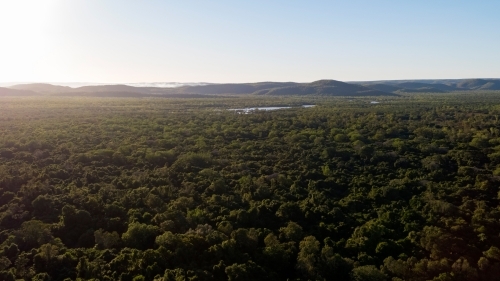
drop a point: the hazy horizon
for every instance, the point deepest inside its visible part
(178, 84)
(120, 42)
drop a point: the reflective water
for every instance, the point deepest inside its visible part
(266, 108)
(259, 108)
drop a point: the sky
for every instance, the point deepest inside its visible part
(128, 41)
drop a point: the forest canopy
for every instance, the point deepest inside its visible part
(184, 189)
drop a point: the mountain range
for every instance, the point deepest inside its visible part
(436, 86)
(317, 88)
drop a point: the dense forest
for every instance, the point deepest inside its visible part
(184, 189)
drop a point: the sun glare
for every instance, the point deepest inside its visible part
(25, 28)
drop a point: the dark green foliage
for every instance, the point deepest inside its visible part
(368, 273)
(140, 236)
(157, 189)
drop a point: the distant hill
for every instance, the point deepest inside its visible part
(4, 92)
(471, 84)
(492, 85)
(319, 88)
(383, 87)
(166, 84)
(110, 88)
(123, 94)
(435, 86)
(417, 85)
(479, 84)
(126, 94)
(243, 88)
(323, 88)
(42, 88)
(421, 90)
(425, 81)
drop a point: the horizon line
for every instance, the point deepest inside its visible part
(203, 82)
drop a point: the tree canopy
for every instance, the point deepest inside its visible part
(184, 189)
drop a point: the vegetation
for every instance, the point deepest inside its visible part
(183, 189)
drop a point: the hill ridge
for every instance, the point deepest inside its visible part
(322, 87)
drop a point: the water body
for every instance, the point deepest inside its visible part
(374, 102)
(265, 108)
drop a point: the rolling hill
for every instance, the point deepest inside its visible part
(4, 92)
(435, 86)
(42, 88)
(243, 88)
(319, 88)
(479, 84)
(323, 88)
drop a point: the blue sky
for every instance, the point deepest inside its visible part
(246, 41)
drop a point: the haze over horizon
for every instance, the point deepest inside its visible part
(181, 84)
(115, 42)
